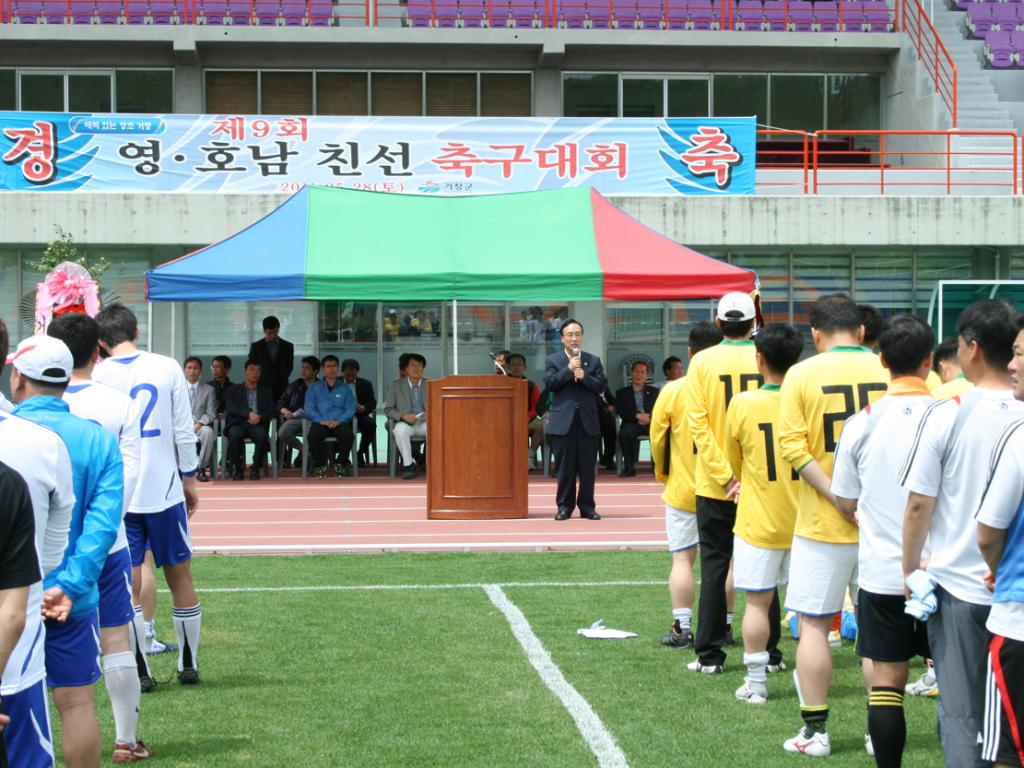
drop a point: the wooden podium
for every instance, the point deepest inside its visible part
(476, 448)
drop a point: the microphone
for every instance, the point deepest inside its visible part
(575, 351)
(498, 365)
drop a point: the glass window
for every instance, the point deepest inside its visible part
(688, 98)
(885, 280)
(344, 322)
(773, 272)
(411, 328)
(854, 102)
(218, 328)
(397, 93)
(89, 93)
(342, 93)
(231, 93)
(643, 98)
(8, 93)
(682, 316)
(147, 91)
(42, 93)
(10, 301)
(814, 275)
(534, 333)
(451, 94)
(633, 330)
(481, 330)
(286, 93)
(590, 95)
(741, 96)
(505, 94)
(932, 267)
(798, 102)
(298, 324)
(126, 279)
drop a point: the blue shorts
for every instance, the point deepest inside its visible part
(27, 737)
(166, 533)
(115, 584)
(73, 651)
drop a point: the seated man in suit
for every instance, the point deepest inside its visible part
(221, 381)
(330, 406)
(534, 423)
(609, 428)
(406, 406)
(634, 405)
(366, 406)
(204, 412)
(292, 407)
(249, 409)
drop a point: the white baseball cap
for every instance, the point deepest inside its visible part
(43, 358)
(736, 307)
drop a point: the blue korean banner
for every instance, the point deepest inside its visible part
(418, 155)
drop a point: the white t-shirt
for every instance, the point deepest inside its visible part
(6, 405)
(115, 412)
(41, 458)
(950, 461)
(872, 448)
(1000, 505)
(167, 442)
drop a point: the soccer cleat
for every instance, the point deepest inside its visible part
(147, 683)
(773, 668)
(730, 641)
(809, 742)
(926, 685)
(707, 669)
(125, 753)
(868, 746)
(188, 676)
(678, 639)
(752, 694)
(339, 471)
(320, 473)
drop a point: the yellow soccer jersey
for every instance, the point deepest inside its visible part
(952, 388)
(670, 427)
(818, 396)
(767, 508)
(933, 381)
(715, 375)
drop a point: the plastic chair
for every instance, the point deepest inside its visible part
(826, 16)
(999, 50)
(446, 13)
(163, 12)
(354, 460)
(272, 434)
(775, 15)
(706, 15)
(82, 11)
(877, 16)
(649, 14)
(267, 13)
(801, 15)
(676, 14)
(473, 13)
(393, 449)
(749, 15)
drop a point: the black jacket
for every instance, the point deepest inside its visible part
(625, 403)
(571, 396)
(237, 405)
(365, 395)
(274, 374)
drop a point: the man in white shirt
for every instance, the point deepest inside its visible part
(945, 475)
(165, 496)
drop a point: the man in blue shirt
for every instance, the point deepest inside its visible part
(42, 369)
(330, 406)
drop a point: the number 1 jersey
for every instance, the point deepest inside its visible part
(167, 441)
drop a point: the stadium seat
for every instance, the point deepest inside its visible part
(1017, 40)
(163, 12)
(526, 13)
(55, 11)
(601, 12)
(110, 12)
(749, 16)
(419, 13)
(213, 12)
(826, 16)
(876, 16)
(775, 15)
(27, 11)
(473, 13)
(649, 14)
(981, 20)
(267, 13)
(801, 15)
(999, 50)
(320, 13)
(706, 15)
(572, 14)
(446, 13)
(676, 14)
(82, 11)
(1007, 16)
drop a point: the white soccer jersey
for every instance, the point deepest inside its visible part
(41, 458)
(950, 461)
(873, 446)
(167, 442)
(6, 405)
(115, 412)
(1000, 505)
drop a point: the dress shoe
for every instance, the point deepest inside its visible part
(627, 473)
(591, 515)
(563, 513)
(254, 473)
(409, 471)
(238, 475)
(202, 477)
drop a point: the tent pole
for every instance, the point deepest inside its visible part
(149, 327)
(455, 336)
(173, 320)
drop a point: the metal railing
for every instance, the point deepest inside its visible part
(931, 51)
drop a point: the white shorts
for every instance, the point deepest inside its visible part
(756, 569)
(681, 529)
(819, 575)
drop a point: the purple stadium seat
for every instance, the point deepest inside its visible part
(601, 13)
(266, 12)
(801, 15)
(826, 15)
(55, 11)
(109, 11)
(706, 14)
(81, 11)
(748, 15)
(1017, 40)
(446, 13)
(676, 14)
(962, 5)
(420, 12)
(876, 15)
(134, 11)
(999, 50)
(649, 13)
(523, 14)
(981, 19)
(320, 13)
(1006, 16)
(27, 11)
(572, 14)
(473, 12)
(851, 15)
(214, 12)
(775, 15)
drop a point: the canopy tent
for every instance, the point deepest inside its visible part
(552, 245)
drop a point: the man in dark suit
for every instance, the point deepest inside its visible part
(575, 377)
(634, 405)
(366, 406)
(249, 409)
(275, 356)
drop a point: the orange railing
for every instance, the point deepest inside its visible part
(791, 150)
(917, 164)
(931, 52)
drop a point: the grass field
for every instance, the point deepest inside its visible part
(340, 661)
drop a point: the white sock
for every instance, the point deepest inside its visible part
(755, 662)
(139, 642)
(186, 627)
(728, 619)
(684, 616)
(122, 680)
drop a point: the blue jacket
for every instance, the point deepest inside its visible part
(323, 404)
(99, 495)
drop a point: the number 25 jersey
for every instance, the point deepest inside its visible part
(818, 396)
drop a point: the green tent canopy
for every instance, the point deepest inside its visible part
(553, 245)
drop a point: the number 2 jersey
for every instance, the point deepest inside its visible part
(818, 396)
(167, 442)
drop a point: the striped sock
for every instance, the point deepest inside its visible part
(186, 627)
(887, 725)
(815, 716)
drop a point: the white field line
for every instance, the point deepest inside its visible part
(466, 546)
(399, 587)
(405, 520)
(404, 497)
(598, 737)
(199, 535)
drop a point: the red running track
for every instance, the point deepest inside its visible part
(376, 513)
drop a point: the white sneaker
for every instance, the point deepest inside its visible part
(155, 647)
(707, 669)
(752, 694)
(808, 742)
(835, 640)
(868, 746)
(926, 685)
(773, 668)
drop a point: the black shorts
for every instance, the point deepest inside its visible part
(885, 632)
(1003, 726)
